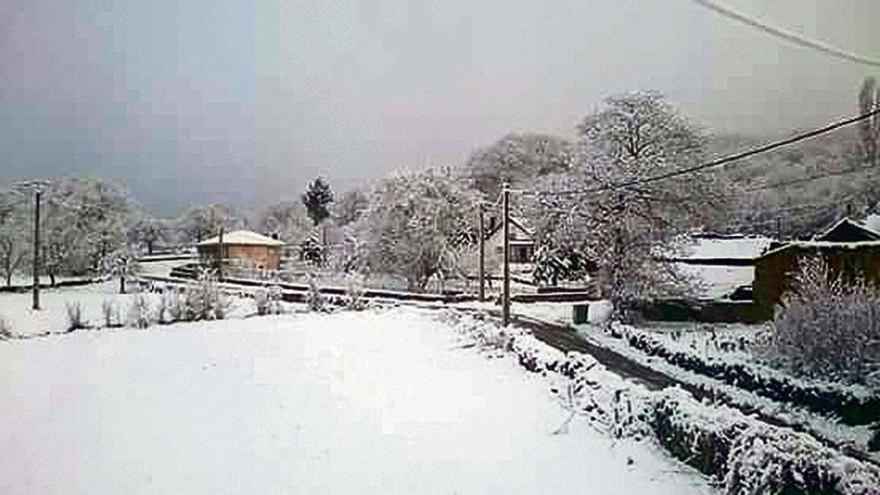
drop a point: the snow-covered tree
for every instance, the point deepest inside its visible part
(349, 208)
(200, 222)
(317, 199)
(83, 221)
(288, 219)
(416, 226)
(517, 159)
(624, 222)
(148, 231)
(121, 264)
(312, 251)
(14, 240)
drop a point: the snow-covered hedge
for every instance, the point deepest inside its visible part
(745, 455)
(751, 456)
(824, 398)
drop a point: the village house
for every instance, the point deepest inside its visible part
(243, 246)
(851, 250)
(522, 243)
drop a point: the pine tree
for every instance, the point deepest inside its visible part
(317, 199)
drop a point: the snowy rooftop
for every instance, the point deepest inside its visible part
(737, 247)
(243, 237)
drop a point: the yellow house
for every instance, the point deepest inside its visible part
(244, 245)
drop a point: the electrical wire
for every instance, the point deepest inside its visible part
(788, 35)
(720, 161)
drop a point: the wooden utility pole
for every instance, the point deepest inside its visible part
(220, 256)
(482, 236)
(37, 194)
(505, 297)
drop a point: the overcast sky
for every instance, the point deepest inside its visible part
(195, 101)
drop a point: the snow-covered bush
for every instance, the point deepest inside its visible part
(744, 454)
(203, 300)
(821, 396)
(268, 300)
(75, 320)
(354, 292)
(110, 312)
(170, 307)
(826, 327)
(750, 456)
(5, 328)
(312, 251)
(314, 299)
(140, 311)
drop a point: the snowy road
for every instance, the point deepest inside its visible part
(374, 402)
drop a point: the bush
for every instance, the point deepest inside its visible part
(826, 327)
(354, 293)
(314, 299)
(268, 300)
(5, 329)
(140, 312)
(170, 306)
(110, 313)
(203, 300)
(75, 320)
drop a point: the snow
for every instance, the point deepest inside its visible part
(740, 247)
(873, 222)
(718, 281)
(366, 402)
(243, 237)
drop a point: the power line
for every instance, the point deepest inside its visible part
(809, 178)
(788, 35)
(720, 161)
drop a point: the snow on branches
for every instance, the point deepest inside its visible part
(416, 226)
(623, 223)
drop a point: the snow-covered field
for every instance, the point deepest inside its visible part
(383, 401)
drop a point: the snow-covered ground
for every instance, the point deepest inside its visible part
(383, 401)
(15, 308)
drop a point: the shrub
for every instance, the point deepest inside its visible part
(5, 329)
(314, 299)
(75, 320)
(140, 312)
(826, 327)
(268, 300)
(110, 313)
(203, 299)
(354, 293)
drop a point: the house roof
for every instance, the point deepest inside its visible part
(846, 230)
(517, 223)
(822, 245)
(242, 238)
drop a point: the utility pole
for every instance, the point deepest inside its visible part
(482, 236)
(220, 256)
(505, 298)
(37, 194)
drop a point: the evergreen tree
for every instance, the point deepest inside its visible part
(317, 199)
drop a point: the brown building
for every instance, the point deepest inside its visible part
(851, 251)
(244, 246)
